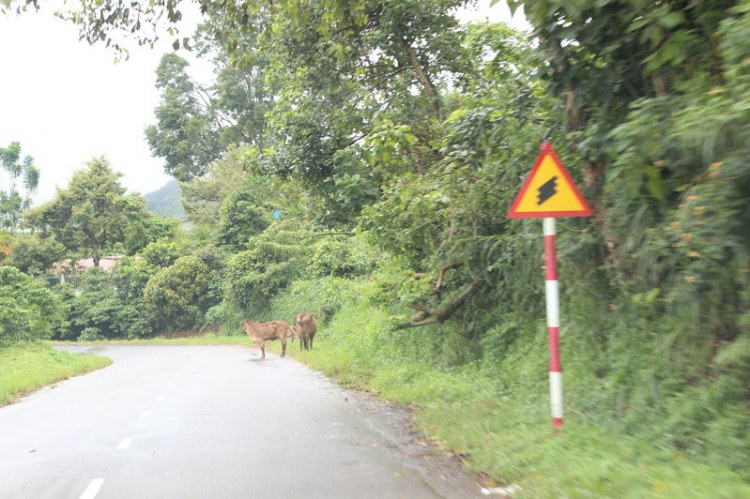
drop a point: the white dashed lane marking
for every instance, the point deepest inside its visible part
(160, 398)
(145, 415)
(93, 488)
(125, 443)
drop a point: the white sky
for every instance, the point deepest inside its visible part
(66, 101)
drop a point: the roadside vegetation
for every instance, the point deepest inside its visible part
(28, 366)
(356, 160)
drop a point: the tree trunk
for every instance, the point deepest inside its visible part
(423, 78)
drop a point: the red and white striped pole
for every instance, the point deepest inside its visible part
(552, 295)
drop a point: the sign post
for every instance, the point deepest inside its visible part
(549, 192)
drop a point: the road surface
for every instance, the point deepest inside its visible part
(214, 422)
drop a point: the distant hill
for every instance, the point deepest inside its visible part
(166, 200)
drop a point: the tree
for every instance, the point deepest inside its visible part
(203, 197)
(243, 216)
(28, 310)
(273, 260)
(184, 134)
(147, 228)
(12, 203)
(177, 294)
(107, 305)
(92, 212)
(35, 254)
(196, 124)
(162, 254)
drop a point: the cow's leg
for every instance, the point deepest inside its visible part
(283, 346)
(262, 349)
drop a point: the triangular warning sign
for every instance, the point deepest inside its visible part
(549, 191)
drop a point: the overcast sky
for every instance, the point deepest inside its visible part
(67, 102)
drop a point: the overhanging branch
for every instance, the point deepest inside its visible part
(441, 315)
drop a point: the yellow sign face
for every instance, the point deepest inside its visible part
(549, 191)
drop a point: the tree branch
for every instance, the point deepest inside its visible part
(441, 275)
(440, 315)
(423, 78)
(417, 324)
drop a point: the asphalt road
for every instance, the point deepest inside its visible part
(214, 422)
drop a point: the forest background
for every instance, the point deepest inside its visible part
(357, 160)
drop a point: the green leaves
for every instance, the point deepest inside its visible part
(177, 295)
(92, 212)
(28, 310)
(671, 19)
(11, 202)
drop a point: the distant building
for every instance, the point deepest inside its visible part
(77, 267)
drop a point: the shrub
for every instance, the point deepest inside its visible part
(34, 254)
(28, 310)
(177, 295)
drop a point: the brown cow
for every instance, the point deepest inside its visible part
(262, 331)
(304, 330)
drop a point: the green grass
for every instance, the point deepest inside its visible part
(506, 434)
(25, 367)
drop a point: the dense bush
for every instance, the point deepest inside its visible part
(162, 253)
(28, 310)
(271, 263)
(35, 254)
(104, 305)
(341, 256)
(177, 295)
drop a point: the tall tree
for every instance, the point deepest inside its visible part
(196, 124)
(92, 213)
(12, 203)
(184, 134)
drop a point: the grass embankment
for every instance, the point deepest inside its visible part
(504, 431)
(25, 367)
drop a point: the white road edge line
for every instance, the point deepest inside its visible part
(125, 443)
(93, 488)
(145, 415)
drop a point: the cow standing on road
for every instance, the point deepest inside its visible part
(263, 331)
(304, 330)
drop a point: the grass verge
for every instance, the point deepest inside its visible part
(506, 434)
(25, 367)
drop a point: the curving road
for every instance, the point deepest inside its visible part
(214, 422)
